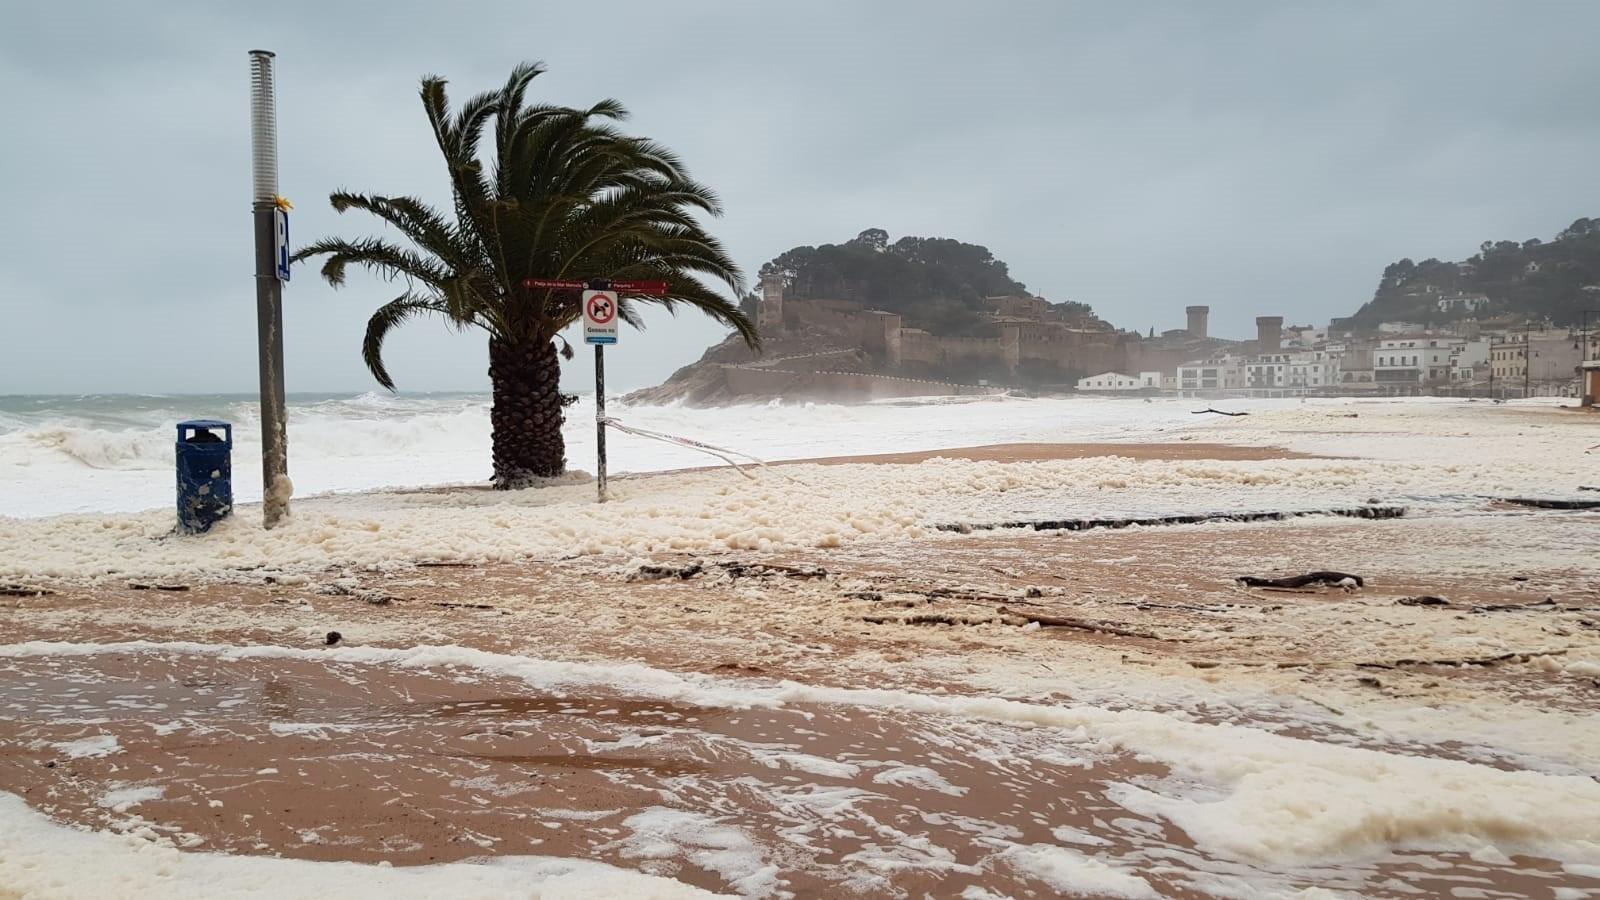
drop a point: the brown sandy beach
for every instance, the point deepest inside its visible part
(326, 754)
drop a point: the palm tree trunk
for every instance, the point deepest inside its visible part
(527, 412)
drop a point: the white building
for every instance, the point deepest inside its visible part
(1266, 372)
(1116, 381)
(1463, 302)
(1303, 372)
(1469, 359)
(1409, 362)
(1313, 371)
(1225, 373)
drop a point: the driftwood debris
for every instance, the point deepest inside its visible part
(1551, 503)
(1548, 604)
(964, 594)
(1461, 660)
(24, 590)
(1424, 600)
(758, 570)
(1220, 412)
(653, 572)
(1357, 512)
(937, 619)
(146, 586)
(445, 564)
(1045, 621)
(1014, 618)
(1332, 579)
(660, 573)
(365, 595)
(1496, 659)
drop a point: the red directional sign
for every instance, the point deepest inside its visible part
(652, 288)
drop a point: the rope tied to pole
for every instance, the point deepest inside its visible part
(722, 453)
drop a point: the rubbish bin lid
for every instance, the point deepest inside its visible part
(199, 424)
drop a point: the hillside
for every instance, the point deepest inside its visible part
(937, 284)
(1532, 280)
(938, 287)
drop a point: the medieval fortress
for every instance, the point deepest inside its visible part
(871, 353)
(839, 349)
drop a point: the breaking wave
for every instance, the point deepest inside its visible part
(139, 433)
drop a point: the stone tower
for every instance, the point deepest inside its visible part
(1197, 320)
(769, 320)
(1269, 334)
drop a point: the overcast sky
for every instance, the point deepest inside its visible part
(1263, 158)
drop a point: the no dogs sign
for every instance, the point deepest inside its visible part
(600, 317)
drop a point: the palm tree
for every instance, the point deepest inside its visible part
(564, 195)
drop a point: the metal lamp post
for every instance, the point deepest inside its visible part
(1583, 358)
(272, 269)
(1527, 362)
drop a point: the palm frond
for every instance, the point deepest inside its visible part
(389, 317)
(377, 255)
(423, 225)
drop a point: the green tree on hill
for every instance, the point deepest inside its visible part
(934, 283)
(1532, 280)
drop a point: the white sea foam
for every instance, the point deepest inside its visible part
(1238, 792)
(90, 747)
(41, 859)
(1077, 874)
(123, 798)
(670, 835)
(718, 510)
(919, 777)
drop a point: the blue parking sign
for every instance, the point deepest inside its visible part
(280, 253)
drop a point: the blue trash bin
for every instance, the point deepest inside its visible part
(205, 473)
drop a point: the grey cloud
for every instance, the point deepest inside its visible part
(1259, 157)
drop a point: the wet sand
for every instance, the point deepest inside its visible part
(327, 760)
(319, 758)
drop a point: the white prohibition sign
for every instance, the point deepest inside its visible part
(600, 317)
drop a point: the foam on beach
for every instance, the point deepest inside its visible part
(1260, 799)
(811, 506)
(39, 858)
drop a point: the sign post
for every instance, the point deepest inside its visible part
(600, 303)
(600, 329)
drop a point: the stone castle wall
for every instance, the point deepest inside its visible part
(853, 385)
(1035, 344)
(834, 315)
(921, 347)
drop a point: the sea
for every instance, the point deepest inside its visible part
(67, 454)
